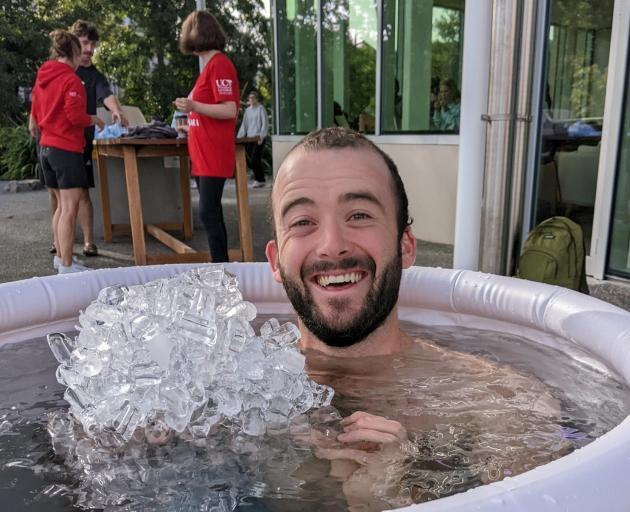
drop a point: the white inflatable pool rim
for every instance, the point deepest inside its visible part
(589, 479)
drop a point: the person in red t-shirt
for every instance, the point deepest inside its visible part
(212, 109)
(58, 116)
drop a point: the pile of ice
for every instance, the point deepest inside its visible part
(180, 355)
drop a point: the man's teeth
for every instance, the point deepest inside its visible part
(352, 277)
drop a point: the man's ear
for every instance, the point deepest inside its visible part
(408, 248)
(271, 251)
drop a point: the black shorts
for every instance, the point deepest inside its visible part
(62, 169)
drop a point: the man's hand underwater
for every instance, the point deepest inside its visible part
(365, 437)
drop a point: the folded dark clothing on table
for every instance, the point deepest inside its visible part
(152, 130)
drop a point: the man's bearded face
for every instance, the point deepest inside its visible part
(336, 330)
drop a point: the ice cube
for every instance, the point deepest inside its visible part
(143, 327)
(68, 377)
(113, 295)
(269, 327)
(211, 276)
(160, 347)
(61, 347)
(147, 374)
(280, 405)
(253, 422)
(126, 420)
(287, 335)
(87, 362)
(229, 402)
(197, 328)
(98, 314)
(290, 360)
(322, 395)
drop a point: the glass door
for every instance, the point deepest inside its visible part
(576, 71)
(619, 251)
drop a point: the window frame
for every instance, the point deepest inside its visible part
(403, 137)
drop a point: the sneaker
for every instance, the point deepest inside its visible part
(72, 269)
(258, 184)
(57, 262)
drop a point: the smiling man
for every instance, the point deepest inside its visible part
(342, 238)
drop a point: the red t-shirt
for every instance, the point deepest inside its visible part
(211, 141)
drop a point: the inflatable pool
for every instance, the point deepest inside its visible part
(591, 478)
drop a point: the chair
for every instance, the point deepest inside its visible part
(133, 114)
(577, 175)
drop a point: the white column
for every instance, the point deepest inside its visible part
(472, 130)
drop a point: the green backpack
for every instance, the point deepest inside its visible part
(554, 254)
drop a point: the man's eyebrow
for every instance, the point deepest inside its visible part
(360, 196)
(296, 202)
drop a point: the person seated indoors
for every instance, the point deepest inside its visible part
(339, 251)
(446, 108)
(340, 117)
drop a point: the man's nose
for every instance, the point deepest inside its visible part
(334, 241)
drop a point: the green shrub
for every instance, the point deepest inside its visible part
(18, 156)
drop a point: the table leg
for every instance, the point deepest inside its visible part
(242, 203)
(184, 181)
(103, 182)
(135, 205)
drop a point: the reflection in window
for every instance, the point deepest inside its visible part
(421, 65)
(297, 65)
(349, 62)
(619, 257)
(573, 110)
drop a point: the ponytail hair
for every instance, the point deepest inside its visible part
(64, 44)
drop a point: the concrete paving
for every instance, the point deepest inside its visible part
(25, 233)
(25, 239)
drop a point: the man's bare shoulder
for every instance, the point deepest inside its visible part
(502, 381)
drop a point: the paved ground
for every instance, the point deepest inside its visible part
(25, 239)
(25, 233)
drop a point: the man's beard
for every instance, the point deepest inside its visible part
(377, 305)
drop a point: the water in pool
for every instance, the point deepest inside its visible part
(478, 406)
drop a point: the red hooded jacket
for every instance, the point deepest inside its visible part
(59, 107)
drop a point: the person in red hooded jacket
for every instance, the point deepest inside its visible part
(58, 113)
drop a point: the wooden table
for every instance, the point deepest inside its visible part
(130, 150)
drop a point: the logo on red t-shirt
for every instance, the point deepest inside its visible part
(224, 86)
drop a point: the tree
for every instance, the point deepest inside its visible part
(362, 59)
(23, 44)
(446, 58)
(138, 51)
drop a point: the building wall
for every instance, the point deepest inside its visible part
(429, 173)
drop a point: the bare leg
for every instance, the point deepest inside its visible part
(86, 216)
(53, 194)
(70, 199)
(53, 202)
